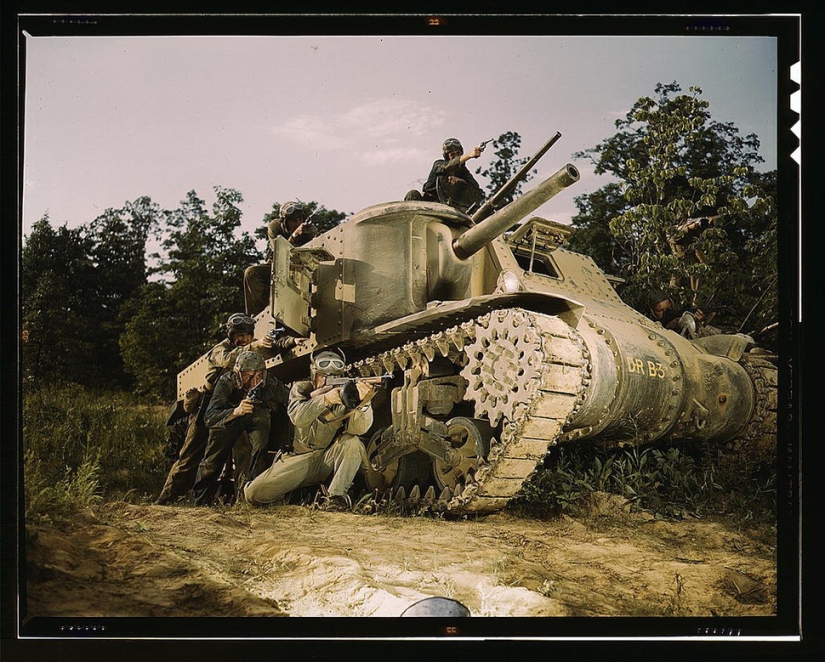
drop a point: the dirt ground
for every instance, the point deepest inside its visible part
(121, 559)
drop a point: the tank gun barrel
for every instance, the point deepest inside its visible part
(477, 237)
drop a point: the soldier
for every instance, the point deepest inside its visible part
(240, 331)
(450, 181)
(294, 226)
(327, 441)
(689, 323)
(684, 244)
(241, 402)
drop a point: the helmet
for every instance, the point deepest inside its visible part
(239, 323)
(249, 361)
(451, 144)
(328, 363)
(436, 606)
(655, 296)
(292, 209)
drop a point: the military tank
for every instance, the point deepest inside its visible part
(501, 343)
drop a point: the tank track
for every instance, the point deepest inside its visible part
(759, 442)
(525, 369)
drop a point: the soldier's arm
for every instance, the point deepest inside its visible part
(303, 409)
(220, 409)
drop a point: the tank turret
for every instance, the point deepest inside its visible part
(500, 344)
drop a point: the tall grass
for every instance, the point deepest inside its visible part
(80, 446)
(669, 481)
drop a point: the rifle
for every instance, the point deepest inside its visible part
(349, 393)
(492, 204)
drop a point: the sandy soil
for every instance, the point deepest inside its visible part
(120, 559)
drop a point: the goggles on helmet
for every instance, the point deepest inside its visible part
(334, 364)
(292, 209)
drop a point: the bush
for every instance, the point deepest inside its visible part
(667, 480)
(79, 445)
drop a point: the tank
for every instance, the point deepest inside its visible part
(501, 344)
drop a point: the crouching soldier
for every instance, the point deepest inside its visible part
(241, 402)
(328, 421)
(240, 331)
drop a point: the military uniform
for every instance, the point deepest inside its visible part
(462, 194)
(224, 434)
(181, 476)
(327, 442)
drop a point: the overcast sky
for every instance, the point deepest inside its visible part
(346, 121)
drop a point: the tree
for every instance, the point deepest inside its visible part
(119, 255)
(57, 284)
(199, 284)
(499, 172)
(75, 283)
(672, 162)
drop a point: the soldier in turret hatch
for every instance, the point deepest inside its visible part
(294, 226)
(450, 181)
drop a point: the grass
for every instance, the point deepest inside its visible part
(672, 481)
(80, 447)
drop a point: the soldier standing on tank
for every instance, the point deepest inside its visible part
(292, 224)
(450, 181)
(240, 330)
(327, 437)
(241, 403)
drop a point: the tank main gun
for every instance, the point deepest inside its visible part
(493, 226)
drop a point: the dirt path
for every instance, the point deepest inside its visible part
(144, 560)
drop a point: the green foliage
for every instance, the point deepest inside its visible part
(75, 284)
(505, 165)
(81, 445)
(670, 162)
(669, 481)
(178, 317)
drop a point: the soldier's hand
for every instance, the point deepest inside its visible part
(246, 407)
(266, 341)
(333, 397)
(476, 152)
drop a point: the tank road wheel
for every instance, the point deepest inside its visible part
(470, 441)
(406, 471)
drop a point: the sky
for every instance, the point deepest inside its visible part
(347, 121)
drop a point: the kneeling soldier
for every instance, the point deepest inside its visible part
(327, 441)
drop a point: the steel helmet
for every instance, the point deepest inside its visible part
(656, 296)
(328, 363)
(451, 144)
(249, 361)
(293, 209)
